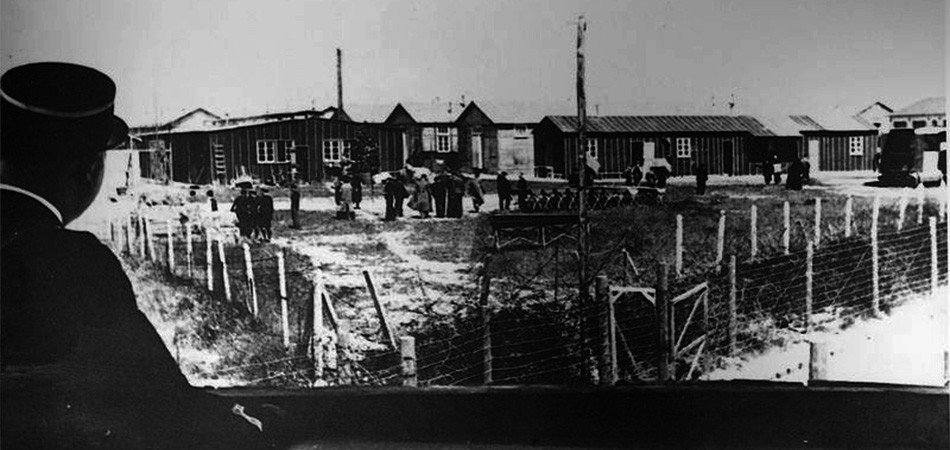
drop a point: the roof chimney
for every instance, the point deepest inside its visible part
(339, 80)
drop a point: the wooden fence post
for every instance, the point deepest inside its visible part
(848, 212)
(407, 349)
(602, 300)
(944, 201)
(663, 324)
(140, 226)
(316, 340)
(817, 221)
(902, 210)
(284, 310)
(786, 227)
(875, 269)
(721, 239)
(612, 325)
(679, 245)
(113, 239)
(171, 245)
(753, 232)
(225, 279)
(934, 278)
(733, 307)
(189, 249)
(809, 285)
(209, 261)
(817, 361)
(147, 225)
(249, 278)
(487, 359)
(128, 238)
(920, 205)
(383, 322)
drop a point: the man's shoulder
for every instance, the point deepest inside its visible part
(58, 247)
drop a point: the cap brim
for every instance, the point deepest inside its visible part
(119, 135)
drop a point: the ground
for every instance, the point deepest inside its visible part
(426, 270)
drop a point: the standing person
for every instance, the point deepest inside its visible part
(80, 365)
(475, 190)
(438, 188)
(662, 173)
(628, 176)
(522, 187)
(389, 194)
(421, 200)
(239, 208)
(503, 186)
(213, 201)
(776, 170)
(294, 206)
(456, 190)
(356, 185)
(344, 208)
(337, 184)
(252, 211)
(767, 171)
(637, 174)
(795, 173)
(702, 176)
(401, 193)
(266, 211)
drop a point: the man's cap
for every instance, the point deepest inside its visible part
(55, 105)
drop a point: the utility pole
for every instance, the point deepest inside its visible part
(339, 79)
(582, 244)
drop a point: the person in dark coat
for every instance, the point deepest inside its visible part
(796, 172)
(767, 171)
(212, 201)
(400, 194)
(265, 214)
(240, 209)
(474, 188)
(637, 174)
(438, 190)
(522, 187)
(503, 186)
(294, 206)
(389, 194)
(252, 213)
(628, 176)
(702, 176)
(80, 365)
(456, 191)
(662, 173)
(356, 185)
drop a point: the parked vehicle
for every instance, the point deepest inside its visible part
(910, 157)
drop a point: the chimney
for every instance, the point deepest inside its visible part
(339, 80)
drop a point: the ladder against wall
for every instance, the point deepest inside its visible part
(220, 169)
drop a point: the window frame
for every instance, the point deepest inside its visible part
(341, 147)
(900, 124)
(591, 148)
(267, 151)
(684, 151)
(856, 145)
(443, 135)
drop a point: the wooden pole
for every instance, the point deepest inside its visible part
(225, 279)
(679, 245)
(818, 222)
(487, 361)
(128, 238)
(934, 279)
(383, 322)
(875, 269)
(113, 239)
(902, 210)
(754, 232)
(249, 278)
(920, 205)
(848, 216)
(809, 284)
(944, 201)
(583, 249)
(189, 249)
(147, 226)
(733, 308)
(284, 310)
(662, 323)
(817, 361)
(141, 237)
(316, 341)
(786, 227)
(612, 326)
(721, 237)
(209, 261)
(407, 349)
(171, 245)
(602, 294)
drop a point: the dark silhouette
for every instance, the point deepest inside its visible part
(503, 186)
(702, 176)
(294, 207)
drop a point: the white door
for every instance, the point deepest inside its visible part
(814, 155)
(477, 151)
(649, 150)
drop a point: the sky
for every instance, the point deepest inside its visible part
(242, 57)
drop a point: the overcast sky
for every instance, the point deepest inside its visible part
(643, 57)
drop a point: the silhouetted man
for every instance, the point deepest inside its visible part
(503, 186)
(294, 206)
(266, 214)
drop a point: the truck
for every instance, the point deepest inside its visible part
(911, 157)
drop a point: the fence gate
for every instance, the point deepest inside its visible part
(698, 296)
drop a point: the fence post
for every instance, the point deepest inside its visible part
(920, 205)
(383, 322)
(249, 278)
(902, 209)
(128, 237)
(147, 225)
(721, 238)
(141, 237)
(171, 246)
(209, 260)
(189, 249)
(486, 328)
(407, 349)
(316, 339)
(284, 310)
(817, 361)
(679, 245)
(601, 294)
(809, 285)
(875, 274)
(786, 227)
(225, 279)
(933, 255)
(733, 308)
(663, 324)
(753, 232)
(848, 211)
(817, 221)
(612, 324)
(113, 239)
(944, 201)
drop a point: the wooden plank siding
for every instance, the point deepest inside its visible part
(835, 151)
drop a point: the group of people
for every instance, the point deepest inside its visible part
(443, 195)
(347, 193)
(796, 175)
(254, 214)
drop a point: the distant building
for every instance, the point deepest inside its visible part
(929, 112)
(302, 145)
(877, 114)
